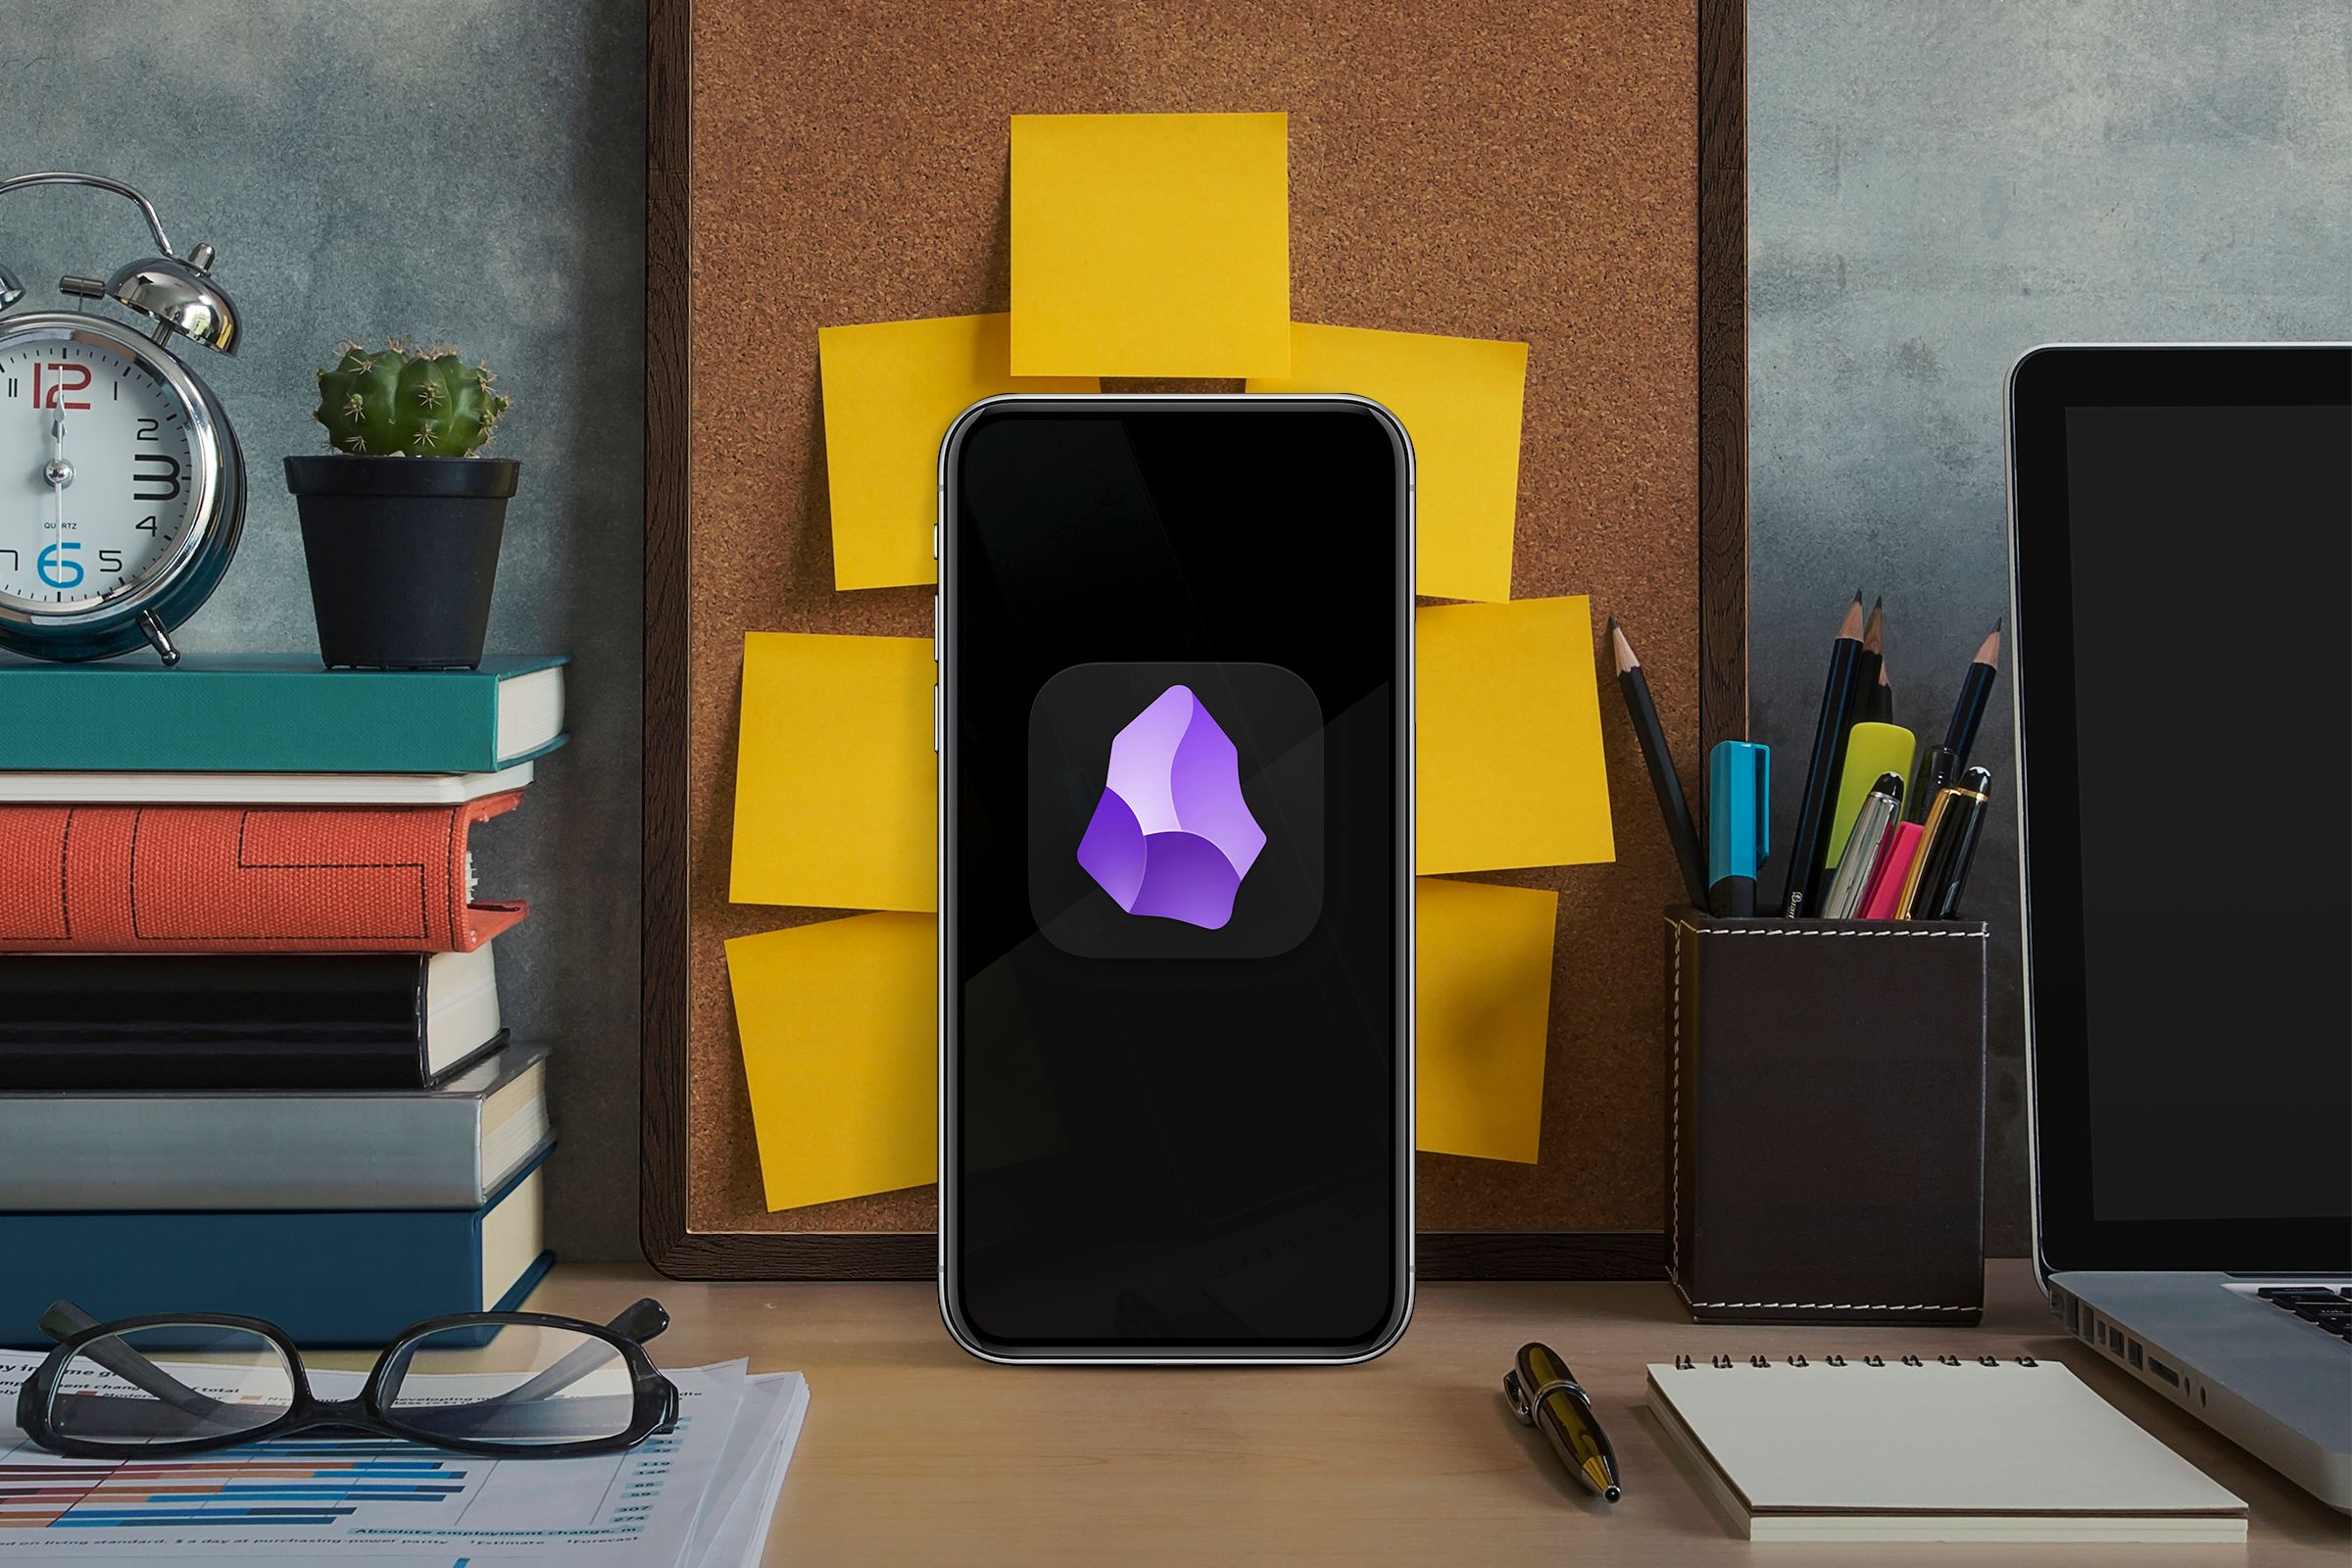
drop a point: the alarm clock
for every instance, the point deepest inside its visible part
(122, 484)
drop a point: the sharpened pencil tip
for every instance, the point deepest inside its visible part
(1850, 627)
(1620, 649)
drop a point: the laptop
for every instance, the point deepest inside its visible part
(2181, 559)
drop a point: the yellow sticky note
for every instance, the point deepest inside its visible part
(836, 792)
(1459, 399)
(1482, 1009)
(839, 1023)
(1510, 770)
(891, 390)
(1154, 245)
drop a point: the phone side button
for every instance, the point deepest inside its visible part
(935, 718)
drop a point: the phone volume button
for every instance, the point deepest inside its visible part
(936, 720)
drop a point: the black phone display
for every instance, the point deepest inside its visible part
(1176, 879)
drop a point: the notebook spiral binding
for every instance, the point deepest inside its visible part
(1725, 1363)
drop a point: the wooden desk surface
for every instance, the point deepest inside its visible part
(917, 1453)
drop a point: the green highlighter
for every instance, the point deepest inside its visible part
(1870, 750)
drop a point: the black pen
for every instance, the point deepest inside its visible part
(1545, 1395)
(1954, 822)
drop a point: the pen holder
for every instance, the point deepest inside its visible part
(1825, 1119)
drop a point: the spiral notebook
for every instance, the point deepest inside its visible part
(1949, 1448)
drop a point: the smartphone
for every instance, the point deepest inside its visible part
(1175, 903)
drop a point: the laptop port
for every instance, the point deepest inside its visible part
(2164, 1372)
(2134, 1353)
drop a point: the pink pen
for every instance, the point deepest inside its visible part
(1885, 887)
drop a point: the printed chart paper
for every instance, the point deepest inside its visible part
(387, 1503)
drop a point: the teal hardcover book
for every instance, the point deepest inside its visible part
(278, 714)
(326, 1277)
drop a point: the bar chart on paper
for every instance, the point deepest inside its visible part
(361, 1487)
(388, 1503)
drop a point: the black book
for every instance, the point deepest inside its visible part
(91, 1022)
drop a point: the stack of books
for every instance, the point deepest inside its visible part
(252, 1057)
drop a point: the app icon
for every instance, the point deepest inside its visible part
(1173, 836)
(1176, 810)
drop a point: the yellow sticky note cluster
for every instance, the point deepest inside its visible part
(1482, 1008)
(1459, 400)
(1508, 754)
(840, 1051)
(891, 390)
(836, 798)
(1154, 246)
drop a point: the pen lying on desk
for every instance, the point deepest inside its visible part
(1546, 1395)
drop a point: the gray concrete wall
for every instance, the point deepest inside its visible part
(1937, 185)
(441, 170)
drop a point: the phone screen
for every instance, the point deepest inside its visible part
(1176, 900)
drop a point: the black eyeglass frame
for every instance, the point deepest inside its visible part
(654, 1397)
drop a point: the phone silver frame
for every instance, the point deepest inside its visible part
(942, 735)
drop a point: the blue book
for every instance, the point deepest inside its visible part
(326, 1277)
(278, 714)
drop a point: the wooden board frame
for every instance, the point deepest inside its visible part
(669, 1241)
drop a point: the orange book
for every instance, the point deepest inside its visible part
(244, 879)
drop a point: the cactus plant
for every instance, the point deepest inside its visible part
(392, 403)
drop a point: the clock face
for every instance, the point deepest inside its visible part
(99, 473)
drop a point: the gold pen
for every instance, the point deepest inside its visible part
(1545, 1395)
(1932, 889)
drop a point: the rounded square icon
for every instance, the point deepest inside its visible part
(1176, 810)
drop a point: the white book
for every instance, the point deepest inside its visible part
(2015, 1450)
(258, 789)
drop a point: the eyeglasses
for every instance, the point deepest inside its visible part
(587, 1389)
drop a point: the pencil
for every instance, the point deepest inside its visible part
(1874, 659)
(1680, 832)
(1886, 702)
(1976, 689)
(1824, 767)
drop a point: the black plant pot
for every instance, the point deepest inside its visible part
(403, 553)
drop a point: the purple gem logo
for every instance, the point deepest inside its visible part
(1173, 836)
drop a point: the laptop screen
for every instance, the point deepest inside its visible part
(2184, 600)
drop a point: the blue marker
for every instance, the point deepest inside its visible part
(1738, 824)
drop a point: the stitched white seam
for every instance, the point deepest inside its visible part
(1722, 931)
(1674, 1214)
(1826, 1306)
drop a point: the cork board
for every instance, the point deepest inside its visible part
(1568, 175)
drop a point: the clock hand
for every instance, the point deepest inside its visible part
(58, 472)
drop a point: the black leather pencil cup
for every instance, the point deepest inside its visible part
(1825, 1119)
